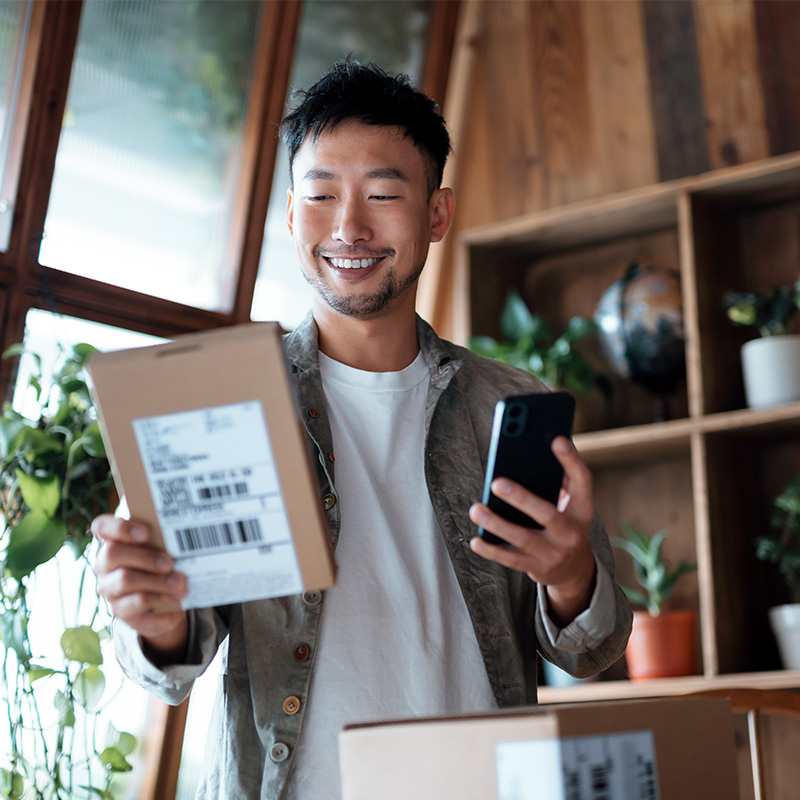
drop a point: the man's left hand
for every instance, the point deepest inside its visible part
(558, 556)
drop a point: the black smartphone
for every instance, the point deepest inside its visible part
(521, 449)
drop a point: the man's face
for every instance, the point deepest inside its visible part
(361, 218)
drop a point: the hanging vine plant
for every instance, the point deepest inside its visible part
(54, 478)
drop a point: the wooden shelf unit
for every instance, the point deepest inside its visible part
(709, 473)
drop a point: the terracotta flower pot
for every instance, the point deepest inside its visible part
(664, 646)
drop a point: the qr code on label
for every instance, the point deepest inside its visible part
(174, 492)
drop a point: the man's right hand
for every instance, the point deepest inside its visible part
(139, 584)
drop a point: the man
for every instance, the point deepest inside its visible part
(424, 618)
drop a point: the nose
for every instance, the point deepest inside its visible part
(351, 223)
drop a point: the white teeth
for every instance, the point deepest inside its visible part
(356, 263)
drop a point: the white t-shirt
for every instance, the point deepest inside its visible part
(396, 639)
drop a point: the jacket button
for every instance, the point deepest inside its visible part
(331, 457)
(302, 652)
(313, 413)
(329, 501)
(291, 705)
(312, 598)
(279, 752)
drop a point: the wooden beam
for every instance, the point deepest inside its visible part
(435, 296)
(271, 71)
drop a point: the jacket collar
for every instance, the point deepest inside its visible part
(302, 348)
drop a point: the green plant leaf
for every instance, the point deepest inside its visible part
(114, 760)
(13, 625)
(12, 784)
(82, 644)
(35, 540)
(41, 493)
(82, 351)
(92, 441)
(36, 672)
(65, 709)
(36, 442)
(13, 350)
(516, 319)
(578, 328)
(124, 742)
(88, 688)
(11, 425)
(104, 794)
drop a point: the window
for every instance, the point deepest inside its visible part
(150, 152)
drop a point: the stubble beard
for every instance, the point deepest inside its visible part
(362, 306)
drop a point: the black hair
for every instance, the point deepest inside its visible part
(367, 94)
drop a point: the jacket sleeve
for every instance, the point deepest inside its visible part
(172, 684)
(596, 638)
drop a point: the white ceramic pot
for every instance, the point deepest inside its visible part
(771, 367)
(785, 622)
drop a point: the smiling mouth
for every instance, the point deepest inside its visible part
(352, 263)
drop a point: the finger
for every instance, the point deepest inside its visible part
(114, 555)
(114, 529)
(527, 539)
(122, 583)
(577, 478)
(146, 613)
(513, 559)
(530, 504)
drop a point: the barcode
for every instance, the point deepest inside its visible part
(600, 786)
(222, 490)
(223, 534)
(647, 780)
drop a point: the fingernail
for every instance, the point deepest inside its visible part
(476, 513)
(164, 563)
(560, 445)
(175, 582)
(501, 486)
(138, 533)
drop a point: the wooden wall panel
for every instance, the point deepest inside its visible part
(556, 31)
(619, 88)
(508, 73)
(678, 114)
(732, 95)
(777, 25)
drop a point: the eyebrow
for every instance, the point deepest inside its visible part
(380, 173)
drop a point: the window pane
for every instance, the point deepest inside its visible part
(392, 33)
(14, 21)
(149, 156)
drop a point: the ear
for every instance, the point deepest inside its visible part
(441, 206)
(290, 210)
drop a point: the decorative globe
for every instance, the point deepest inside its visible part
(640, 324)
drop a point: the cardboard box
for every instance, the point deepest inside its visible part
(672, 749)
(207, 448)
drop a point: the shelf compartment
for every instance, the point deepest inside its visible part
(745, 469)
(741, 244)
(560, 285)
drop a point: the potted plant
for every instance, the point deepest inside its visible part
(771, 363)
(663, 642)
(782, 548)
(530, 344)
(54, 478)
